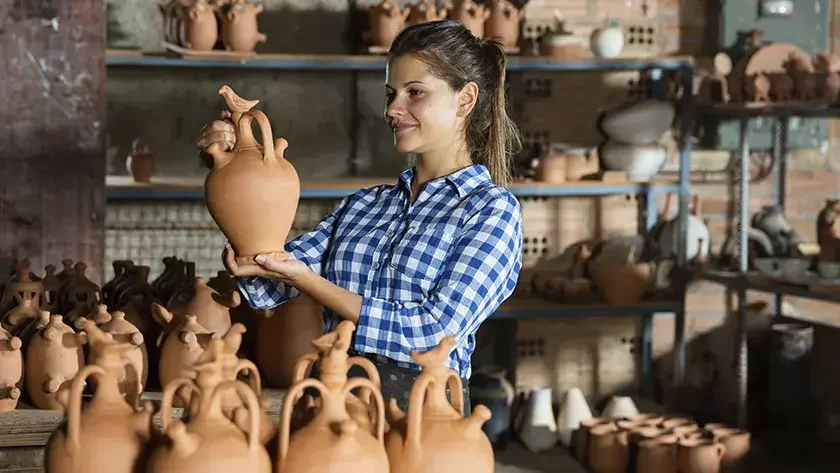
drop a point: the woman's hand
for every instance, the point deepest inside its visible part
(287, 271)
(221, 131)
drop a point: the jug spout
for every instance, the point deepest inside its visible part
(183, 442)
(220, 157)
(480, 415)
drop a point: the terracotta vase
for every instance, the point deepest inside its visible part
(699, 456)
(136, 370)
(212, 310)
(141, 162)
(333, 363)
(182, 343)
(333, 441)
(425, 11)
(435, 435)
(607, 449)
(285, 335)
(240, 32)
(110, 434)
(472, 14)
(21, 298)
(210, 442)
(11, 370)
(503, 23)
(202, 29)
(245, 182)
(386, 21)
(53, 357)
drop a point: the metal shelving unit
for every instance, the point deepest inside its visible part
(338, 189)
(739, 280)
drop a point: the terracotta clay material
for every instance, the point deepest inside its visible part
(699, 456)
(333, 441)
(80, 296)
(212, 310)
(136, 370)
(240, 32)
(21, 298)
(657, 455)
(607, 449)
(425, 11)
(828, 231)
(435, 435)
(472, 14)
(202, 26)
(503, 23)
(111, 432)
(53, 357)
(248, 182)
(141, 162)
(283, 338)
(386, 21)
(11, 370)
(181, 344)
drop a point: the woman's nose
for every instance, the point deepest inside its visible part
(394, 110)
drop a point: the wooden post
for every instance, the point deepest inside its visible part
(52, 132)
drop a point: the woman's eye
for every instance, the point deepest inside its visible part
(415, 93)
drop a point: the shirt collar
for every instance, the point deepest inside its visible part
(463, 180)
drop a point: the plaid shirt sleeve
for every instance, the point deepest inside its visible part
(262, 293)
(478, 276)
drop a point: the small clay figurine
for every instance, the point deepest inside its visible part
(758, 88)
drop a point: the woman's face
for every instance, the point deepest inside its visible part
(422, 110)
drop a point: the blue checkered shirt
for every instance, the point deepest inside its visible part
(437, 267)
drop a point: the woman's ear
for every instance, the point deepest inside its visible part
(467, 99)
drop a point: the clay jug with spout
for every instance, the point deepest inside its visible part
(209, 442)
(202, 26)
(699, 455)
(53, 357)
(503, 23)
(109, 435)
(472, 14)
(386, 21)
(181, 344)
(211, 308)
(247, 182)
(11, 370)
(136, 369)
(435, 435)
(240, 32)
(285, 335)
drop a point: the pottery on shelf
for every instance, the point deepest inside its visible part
(607, 41)
(22, 299)
(620, 407)
(503, 23)
(240, 32)
(53, 357)
(136, 370)
(538, 429)
(573, 410)
(697, 244)
(472, 14)
(249, 179)
(11, 370)
(425, 11)
(141, 162)
(639, 123)
(202, 29)
(561, 44)
(640, 162)
(608, 449)
(386, 21)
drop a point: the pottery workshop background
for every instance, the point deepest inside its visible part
(314, 111)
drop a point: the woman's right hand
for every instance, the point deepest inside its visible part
(221, 131)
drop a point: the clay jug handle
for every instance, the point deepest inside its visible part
(289, 401)
(251, 401)
(456, 391)
(253, 374)
(415, 408)
(360, 382)
(265, 127)
(303, 366)
(74, 409)
(721, 449)
(168, 396)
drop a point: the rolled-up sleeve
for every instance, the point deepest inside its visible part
(479, 274)
(262, 293)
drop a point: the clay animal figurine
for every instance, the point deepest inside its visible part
(239, 26)
(758, 88)
(386, 20)
(503, 23)
(802, 72)
(426, 10)
(781, 87)
(236, 104)
(202, 26)
(472, 14)
(827, 67)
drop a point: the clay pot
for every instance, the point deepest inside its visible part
(136, 369)
(80, 295)
(210, 442)
(607, 449)
(503, 23)
(757, 88)
(183, 343)
(623, 284)
(736, 443)
(435, 435)
(141, 162)
(212, 310)
(333, 441)
(21, 298)
(285, 335)
(202, 29)
(657, 455)
(53, 357)
(580, 440)
(240, 32)
(110, 434)
(699, 456)
(386, 21)
(607, 41)
(472, 14)
(11, 370)
(134, 287)
(246, 181)
(425, 11)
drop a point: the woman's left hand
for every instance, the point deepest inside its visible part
(286, 271)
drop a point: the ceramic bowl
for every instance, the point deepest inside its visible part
(639, 123)
(640, 162)
(795, 268)
(769, 266)
(828, 269)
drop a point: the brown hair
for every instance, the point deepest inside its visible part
(453, 54)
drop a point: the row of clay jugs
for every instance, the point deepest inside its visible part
(240, 31)
(425, 11)
(472, 14)
(11, 370)
(53, 357)
(503, 23)
(284, 335)
(110, 434)
(340, 442)
(435, 435)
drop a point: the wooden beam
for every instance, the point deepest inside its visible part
(52, 132)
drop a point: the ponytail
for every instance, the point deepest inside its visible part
(502, 140)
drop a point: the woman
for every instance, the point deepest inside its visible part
(434, 254)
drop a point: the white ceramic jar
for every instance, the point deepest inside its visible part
(608, 41)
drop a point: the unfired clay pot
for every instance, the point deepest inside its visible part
(425, 11)
(110, 434)
(285, 335)
(657, 455)
(607, 449)
(333, 441)
(21, 298)
(435, 435)
(210, 442)
(386, 21)
(472, 14)
(503, 23)
(699, 456)
(53, 357)
(136, 369)
(141, 162)
(212, 310)
(182, 344)
(240, 32)
(202, 26)
(11, 370)
(248, 180)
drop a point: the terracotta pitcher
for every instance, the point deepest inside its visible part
(657, 455)
(333, 363)
(136, 369)
(11, 370)
(248, 180)
(425, 11)
(699, 455)
(53, 357)
(181, 345)
(386, 21)
(333, 441)
(212, 310)
(607, 449)
(472, 14)
(210, 442)
(284, 336)
(111, 432)
(435, 435)
(503, 23)
(202, 26)
(240, 32)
